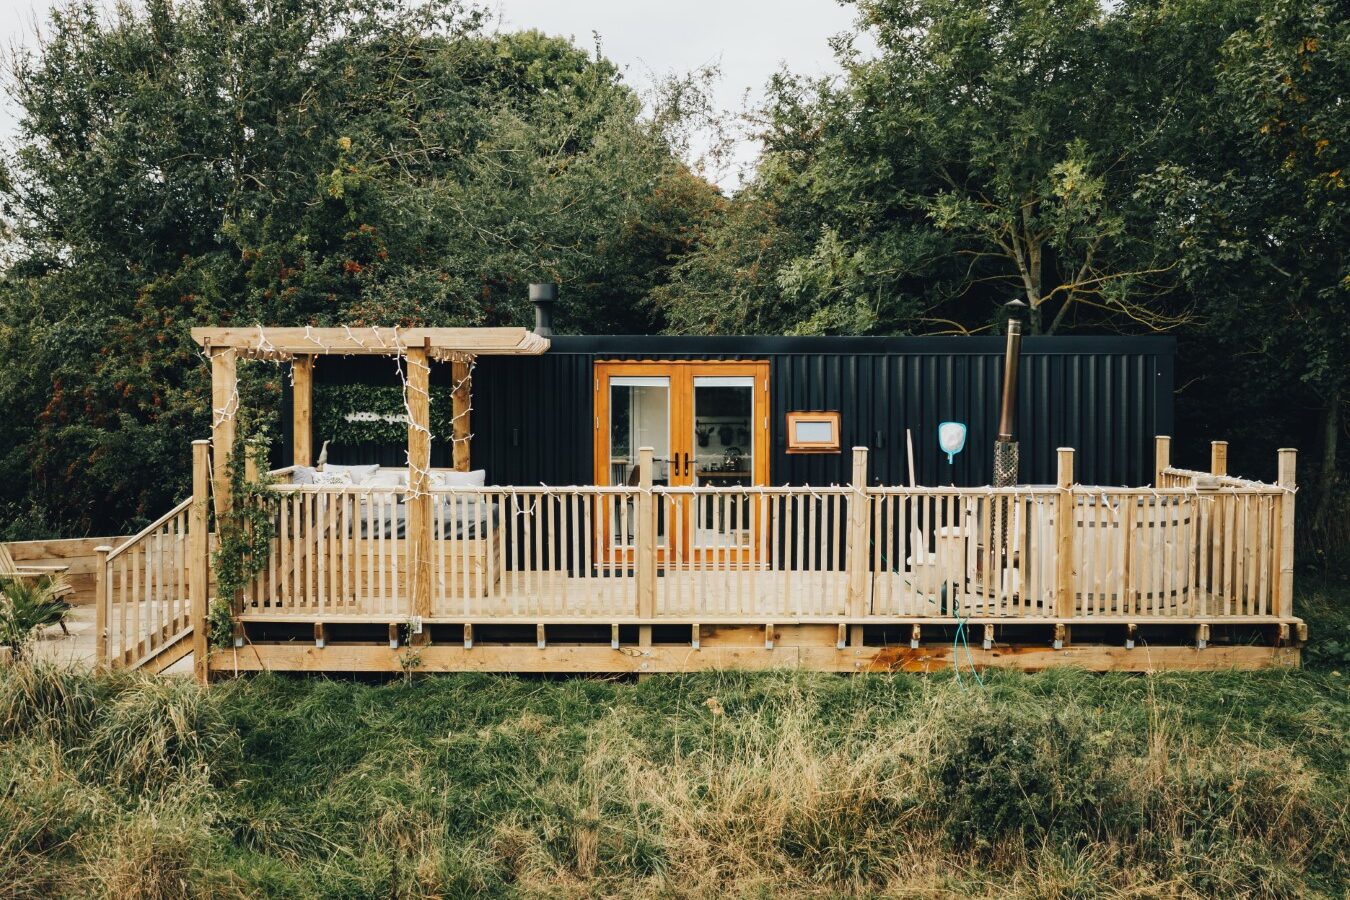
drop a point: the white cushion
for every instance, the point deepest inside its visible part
(326, 477)
(302, 475)
(389, 478)
(476, 478)
(357, 474)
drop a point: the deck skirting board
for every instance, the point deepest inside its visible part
(597, 659)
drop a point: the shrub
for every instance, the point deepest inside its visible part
(1019, 770)
(26, 606)
(162, 730)
(59, 702)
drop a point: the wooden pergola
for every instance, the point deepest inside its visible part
(418, 346)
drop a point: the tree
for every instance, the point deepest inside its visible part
(1262, 216)
(986, 150)
(296, 162)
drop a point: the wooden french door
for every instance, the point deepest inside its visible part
(708, 424)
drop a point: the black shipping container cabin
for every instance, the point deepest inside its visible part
(536, 419)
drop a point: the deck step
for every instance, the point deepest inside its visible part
(164, 657)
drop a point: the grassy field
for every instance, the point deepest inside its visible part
(1060, 784)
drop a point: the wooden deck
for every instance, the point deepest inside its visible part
(1194, 574)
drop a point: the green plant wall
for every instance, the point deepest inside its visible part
(356, 413)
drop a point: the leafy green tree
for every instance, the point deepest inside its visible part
(296, 162)
(1262, 214)
(986, 150)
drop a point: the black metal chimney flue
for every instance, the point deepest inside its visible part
(1005, 446)
(1007, 413)
(543, 295)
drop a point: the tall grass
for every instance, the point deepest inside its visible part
(1055, 785)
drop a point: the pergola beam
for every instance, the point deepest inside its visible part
(286, 343)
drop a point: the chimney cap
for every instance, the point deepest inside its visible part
(543, 292)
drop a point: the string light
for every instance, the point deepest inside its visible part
(387, 340)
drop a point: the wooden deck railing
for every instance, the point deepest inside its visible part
(838, 554)
(1201, 548)
(142, 591)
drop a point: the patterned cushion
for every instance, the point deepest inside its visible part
(356, 474)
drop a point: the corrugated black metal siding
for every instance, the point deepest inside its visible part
(1107, 397)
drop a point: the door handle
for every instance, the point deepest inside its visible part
(686, 465)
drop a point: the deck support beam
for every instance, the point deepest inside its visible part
(1064, 529)
(199, 558)
(645, 552)
(461, 399)
(1286, 478)
(224, 411)
(102, 588)
(1162, 457)
(417, 398)
(302, 410)
(1218, 458)
(858, 599)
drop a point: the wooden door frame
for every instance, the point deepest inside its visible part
(682, 373)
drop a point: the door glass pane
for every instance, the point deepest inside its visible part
(639, 416)
(724, 454)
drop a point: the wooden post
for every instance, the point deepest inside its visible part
(857, 553)
(419, 482)
(1162, 457)
(102, 590)
(1218, 458)
(224, 410)
(302, 406)
(1286, 479)
(461, 400)
(1064, 527)
(199, 558)
(645, 551)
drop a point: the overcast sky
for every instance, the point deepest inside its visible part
(748, 39)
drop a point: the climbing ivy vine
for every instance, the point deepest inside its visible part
(243, 534)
